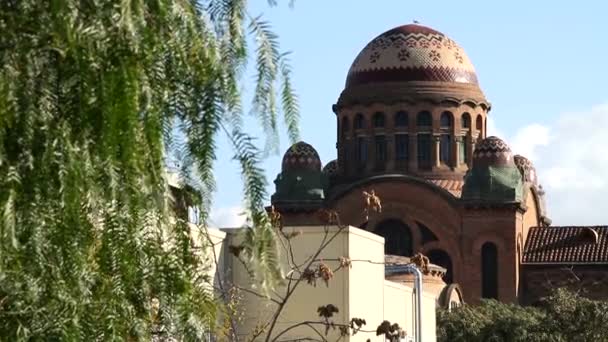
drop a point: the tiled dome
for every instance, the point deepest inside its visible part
(492, 151)
(331, 168)
(526, 168)
(301, 156)
(411, 53)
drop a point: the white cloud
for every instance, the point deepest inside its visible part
(572, 164)
(227, 217)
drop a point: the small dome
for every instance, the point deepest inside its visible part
(493, 177)
(526, 168)
(301, 156)
(411, 53)
(492, 151)
(331, 168)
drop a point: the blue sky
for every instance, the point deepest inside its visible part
(542, 65)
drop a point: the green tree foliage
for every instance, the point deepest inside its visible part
(92, 93)
(563, 316)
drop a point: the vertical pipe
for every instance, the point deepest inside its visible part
(418, 289)
(411, 268)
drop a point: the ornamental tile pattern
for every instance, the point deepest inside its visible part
(331, 168)
(411, 53)
(301, 156)
(451, 185)
(526, 168)
(492, 151)
(566, 245)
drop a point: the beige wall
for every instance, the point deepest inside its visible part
(399, 308)
(360, 291)
(214, 258)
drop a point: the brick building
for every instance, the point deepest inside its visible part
(412, 123)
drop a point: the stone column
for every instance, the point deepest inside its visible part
(471, 146)
(436, 155)
(458, 142)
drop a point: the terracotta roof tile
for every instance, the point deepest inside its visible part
(566, 245)
(453, 186)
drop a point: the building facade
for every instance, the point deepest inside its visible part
(412, 127)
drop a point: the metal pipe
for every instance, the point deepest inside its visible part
(411, 268)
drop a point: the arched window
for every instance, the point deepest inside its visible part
(380, 151)
(359, 121)
(479, 122)
(425, 233)
(446, 149)
(424, 150)
(446, 120)
(489, 271)
(361, 151)
(445, 145)
(402, 146)
(441, 258)
(378, 119)
(424, 119)
(344, 127)
(401, 119)
(466, 120)
(397, 237)
(463, 151)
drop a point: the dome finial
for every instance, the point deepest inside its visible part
(416, 21)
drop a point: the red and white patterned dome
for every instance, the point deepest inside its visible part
(301, 156)
(492, 151)
(411, 53)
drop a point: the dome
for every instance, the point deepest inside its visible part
(526, 168)
(411, 53)
(494, 176)
(331, 168)
(301, 156)
(492, 151)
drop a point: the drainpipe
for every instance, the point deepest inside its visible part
(411, 268)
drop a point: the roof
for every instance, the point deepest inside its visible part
(390, 261)
(566, 245)
(451, 185)
(411, 53)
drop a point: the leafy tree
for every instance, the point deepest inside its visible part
(92, 94)
(562, 316)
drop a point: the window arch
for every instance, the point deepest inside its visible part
(446, 120)
(361, 151)
(445, 149)
(466, 120)
(401, 119)
(489, 271)
(402, 146)
(445, 145)
(424, 119)
(380, 151)
(397, 237)
(359, 121)
(378, 119)
(345, 127)
(423, 150)
(442, 258)
(479, 122)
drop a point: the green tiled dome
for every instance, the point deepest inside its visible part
(494, 176)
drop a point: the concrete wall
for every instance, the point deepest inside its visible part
(360, 291)
(210, 245)
(399, 308)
